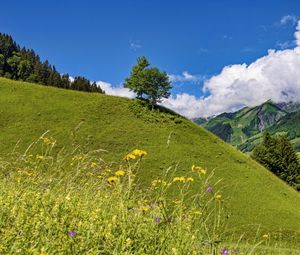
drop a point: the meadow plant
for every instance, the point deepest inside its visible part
(69, 202)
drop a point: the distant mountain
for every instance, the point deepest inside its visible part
(244, 128)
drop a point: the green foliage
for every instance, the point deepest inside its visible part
(114, 126)
(2, 62)
(277, 154)
(135, 82)
(24, 64)
(143, 111)
(149, 82)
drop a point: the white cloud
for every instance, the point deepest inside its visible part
(288, 18)
(115, 91)
(227, 37)
(285, 45)
(71, 79)
(275, 76)
(186, 77)
(202, 51)
(135, 45)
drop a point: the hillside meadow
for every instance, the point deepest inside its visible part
(253, 206)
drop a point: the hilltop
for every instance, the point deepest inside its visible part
(253, 197)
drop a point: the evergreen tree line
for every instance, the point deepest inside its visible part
(24, 64)
(277, 154)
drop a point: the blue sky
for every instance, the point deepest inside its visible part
(102, 39)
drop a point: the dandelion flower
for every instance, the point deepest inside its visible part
(189, 179)
(139, 153)
(129, 157)
(112, 179)
(120, 173)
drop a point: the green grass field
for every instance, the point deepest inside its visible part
(254, 200)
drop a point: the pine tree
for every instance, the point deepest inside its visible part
(278, 155)
(24, 64)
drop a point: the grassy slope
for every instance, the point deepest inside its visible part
(252, 195)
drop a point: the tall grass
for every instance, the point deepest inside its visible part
(70, 202)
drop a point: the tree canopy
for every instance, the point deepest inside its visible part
(277, 154)
(148, 82)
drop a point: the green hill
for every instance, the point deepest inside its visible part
(253, 197)
(244, 128)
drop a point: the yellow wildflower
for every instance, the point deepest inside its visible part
(266, 236)
(179, 179)
(145, 209)
(40, 157)
(93, 164)
(139, 153)
(218, 197)
(120, 173)
(198, 169)
(202, 171)
(77, 157)
(197, 212)
(112, 179)
(48, 141)
(129, 157)
(189, 179)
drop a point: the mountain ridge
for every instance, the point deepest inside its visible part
(243, 128)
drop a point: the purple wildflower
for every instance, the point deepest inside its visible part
(157, 219)
(209, 189)
(224, 252)
(72, 233)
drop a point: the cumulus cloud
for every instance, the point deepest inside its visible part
(115, 91)
(186, 77)
(275, 76)
(288, 19)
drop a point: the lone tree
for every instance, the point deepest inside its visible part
(148, 82)
(277, 154)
